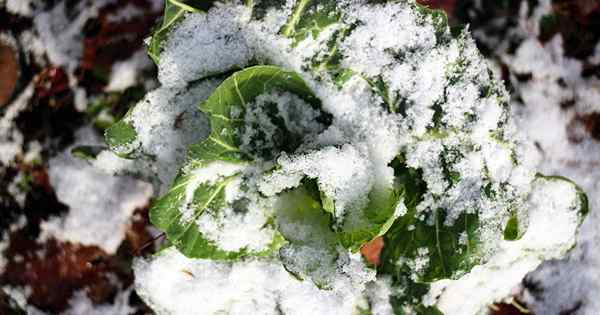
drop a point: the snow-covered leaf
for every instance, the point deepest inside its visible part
(221, 160)
(309, 18)
(226, 108)
(373, 220)
(311, 251)
(421, 249)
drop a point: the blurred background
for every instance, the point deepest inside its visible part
(69, 68)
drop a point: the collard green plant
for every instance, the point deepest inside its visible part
(333, 123)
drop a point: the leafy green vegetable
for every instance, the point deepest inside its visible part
(306, 230)
(166, 214)
(225, 109)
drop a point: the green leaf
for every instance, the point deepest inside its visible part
(301, 219)
(410, 302)
(357, 225)
(110, 107)
(381, 88)
(441, 251)
(511, 231)
(372, 221)
(226, 106)
(310, 18)
(549, 25)
(167, 214)
(437, 245)
(121, 138)
(260, 8)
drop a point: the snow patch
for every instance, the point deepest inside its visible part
(93, 219)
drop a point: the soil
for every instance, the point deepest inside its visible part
(9, 72)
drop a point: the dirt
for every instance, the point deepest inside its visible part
(9, 73)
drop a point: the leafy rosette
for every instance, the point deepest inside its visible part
(301, 130)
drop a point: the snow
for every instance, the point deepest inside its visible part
(565, 284)
(378, 293)
(3, 246)
(33, 45)
(128, 13)
(217, 35)
(155, 121)
(19, 295)
(125, 74)
(173, 284)
(80, 304)
(15, 188)
(551, 128)
(384, 31)
(563, 147)
(261, 130)
(5, 239)
(59, 38)
(60, 30)
(22, 7)
(93, 219)
(343, 175)
(61, 34)
(11, 139)
(166, 121)
(233, 231)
